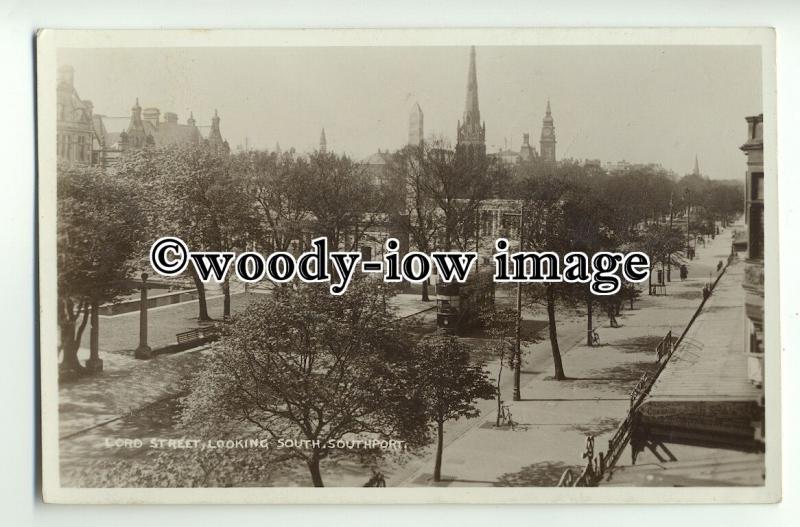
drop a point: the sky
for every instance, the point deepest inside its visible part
(642, 104)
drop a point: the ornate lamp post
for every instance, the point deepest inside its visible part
(143, 351)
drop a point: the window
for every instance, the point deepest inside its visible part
(756, 338)
(757, 187)
(756, 232)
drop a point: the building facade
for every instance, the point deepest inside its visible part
(74, 121)
(146, 128)
(754, 267)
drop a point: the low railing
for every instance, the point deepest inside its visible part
(597, 466)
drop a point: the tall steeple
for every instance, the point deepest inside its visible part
(416, 128)
(323, 143)
(472, 112)
(547, 142)
(472, 132)
(696, 170)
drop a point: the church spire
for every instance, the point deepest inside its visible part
(323, 143)
(696, 170)
(472, 112)
(472, 132)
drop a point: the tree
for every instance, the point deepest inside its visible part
(500, 324)
(422, 218)
(662, 243)
(447, 386)
(193, 193)
(306, 364)
(277, 184)
(234, 220)
(586, 225)
(550, 226)
(457, 185)
(100, 230)
(342, 201)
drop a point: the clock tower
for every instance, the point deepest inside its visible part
(547, 143)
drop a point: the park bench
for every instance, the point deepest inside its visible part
(197, 335)
(658, 289)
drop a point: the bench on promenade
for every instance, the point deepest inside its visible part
(197, 336)
(658, 289)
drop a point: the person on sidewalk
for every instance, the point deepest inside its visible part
(612, 319)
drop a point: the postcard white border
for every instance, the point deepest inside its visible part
(49, 41)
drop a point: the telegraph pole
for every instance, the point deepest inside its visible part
(517, 344)
(688, 220)
(669, 256)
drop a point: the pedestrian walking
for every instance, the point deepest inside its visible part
(612, 319)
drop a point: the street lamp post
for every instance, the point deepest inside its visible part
(143, 351)
(94, 364)
(688, 195)
(517, 362)
(517, 341)
(669, 256)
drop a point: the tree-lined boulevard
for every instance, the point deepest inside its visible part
(293, 361)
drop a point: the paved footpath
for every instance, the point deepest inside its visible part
(127, 384)
(555, 416)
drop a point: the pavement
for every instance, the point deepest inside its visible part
(554, 416)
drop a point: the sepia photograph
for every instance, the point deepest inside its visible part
(205, 339)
